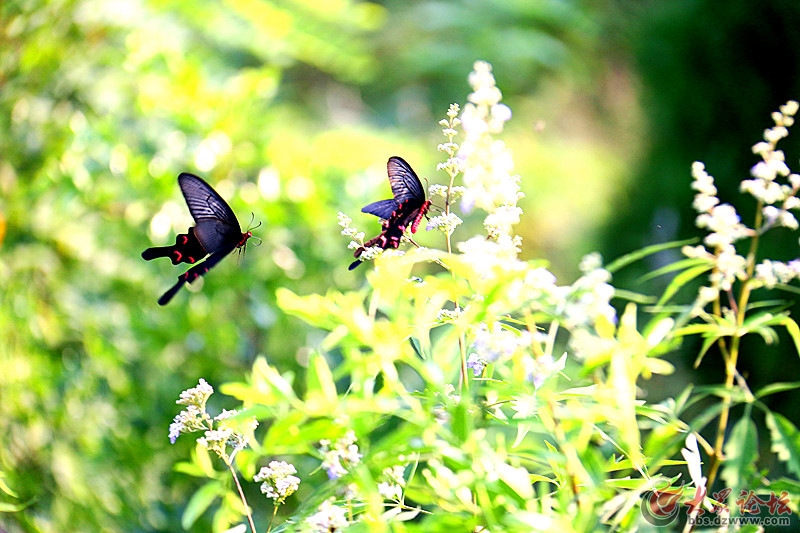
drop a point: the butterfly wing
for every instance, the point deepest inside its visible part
(404, 181)
(381, 209)
(195, 272)
(216, 225)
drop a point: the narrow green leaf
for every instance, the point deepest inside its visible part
(632, 257)
(774, 388)
(788, 288)
(794, 330)
(683, 264)
(785, 441)
(200, 502)
(708, 342)
(6, 507)
(5, 488)
(682, 279)
(635, 297)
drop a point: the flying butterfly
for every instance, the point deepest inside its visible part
(403, 211)
(216, 233)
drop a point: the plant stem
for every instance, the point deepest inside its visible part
(274, 512)
(241, 495)
(731, 357)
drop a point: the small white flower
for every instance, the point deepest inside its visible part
(445, 223)
(492, 345)
(328, 518)
(339, 458)
(772, 273)
(392, 488)
(197, 395)
(694, 463)
(730, 266)
(277, 480)
(789, 108)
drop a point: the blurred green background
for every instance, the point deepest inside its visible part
(290, 109)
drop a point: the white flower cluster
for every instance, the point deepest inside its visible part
(772, 273)
(453, 164)
(194, 417)
(446, 223)
(589, 298)
(278, 480)
(392, 487)
(441, 190)
(494, 344)
(197, 395)
(219, 433)
(228, 435)
(329, 517)
(340, 456)
(765, 187)
(721, 220)
(189, 420)
(488, 166)
(776, 200)
(348, 231)
(725, 228)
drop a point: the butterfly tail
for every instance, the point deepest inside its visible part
(193, 273)
(167, 296)
(157, 251)
(187, 249)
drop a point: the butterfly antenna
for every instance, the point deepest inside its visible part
(250, 226)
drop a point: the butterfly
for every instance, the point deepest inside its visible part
(403, 211)
(216, 233)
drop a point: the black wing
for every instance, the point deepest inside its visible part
(204, 202)
(405, 183)
(217, 226)
(382, 208)
(195, 272)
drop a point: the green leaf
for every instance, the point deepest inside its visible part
(788, 288)
(785, 441)
(774, 388)
(632, 257)
(741, 452)
(200, 502)
(674, 267)
(794, 330)
(6, 507)
(321, 395)
(633, 296)
(5, 488)
(682, 279)
(517, 479)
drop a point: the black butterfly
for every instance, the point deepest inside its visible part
(217, 232)
(403, 211)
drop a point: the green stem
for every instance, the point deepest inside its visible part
(274, 512)
(241, 495)
(731, 357)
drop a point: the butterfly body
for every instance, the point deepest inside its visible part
(404, 211)
(216, 233)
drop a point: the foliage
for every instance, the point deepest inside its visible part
(289, 109)
(482, 395)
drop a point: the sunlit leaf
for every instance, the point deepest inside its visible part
(785, 440)
(200, 502)
(741, 454)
